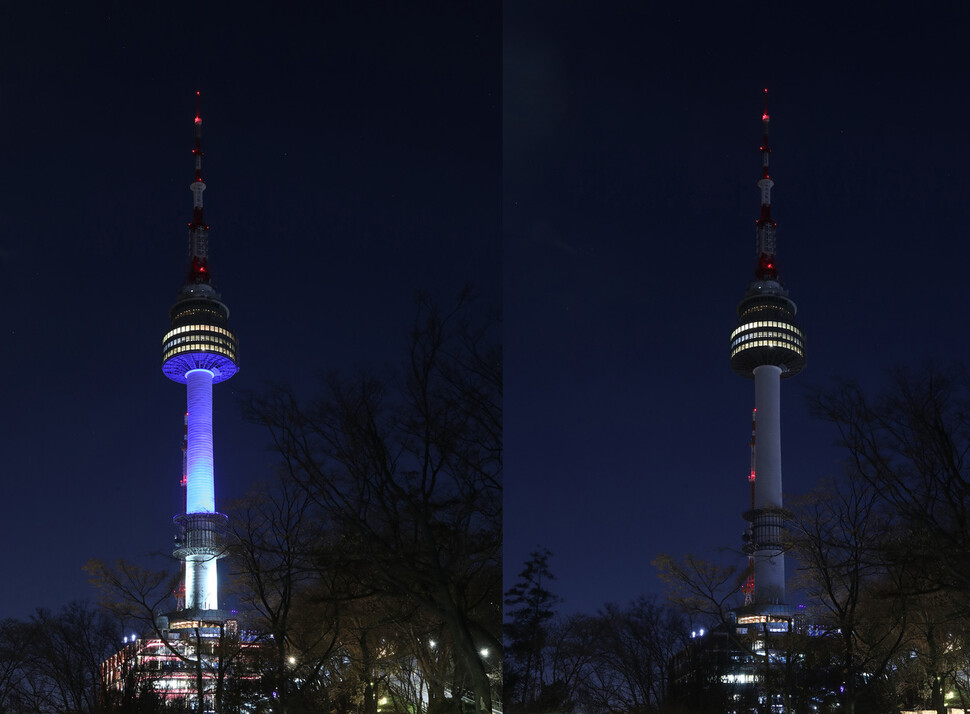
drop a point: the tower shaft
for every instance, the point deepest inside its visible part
(201, 574)
(766, 528)
(767, 458)
(199, 488)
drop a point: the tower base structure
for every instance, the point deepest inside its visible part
(181, 661)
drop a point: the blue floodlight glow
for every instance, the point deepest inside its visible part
(200, 490)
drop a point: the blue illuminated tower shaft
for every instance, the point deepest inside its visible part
(767, 346)
(199, 478)
(198, 351)
(201, 574)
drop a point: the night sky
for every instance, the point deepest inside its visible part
(631, 156)
(591, 167)
(352, 157)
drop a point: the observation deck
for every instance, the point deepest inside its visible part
(199, 338)
(766, 333)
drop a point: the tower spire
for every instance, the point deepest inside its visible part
(198, 230)
(767, 269)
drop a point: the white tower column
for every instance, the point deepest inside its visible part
(769, 562)
(767, 464)
(201, 582)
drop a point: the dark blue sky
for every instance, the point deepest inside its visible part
(631, 156)
(591, 166)
(352, 157)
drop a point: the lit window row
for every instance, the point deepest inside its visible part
(763, 323)
(751, 619)
(231, 354)
(767, 343)
(793, 337)
(200, 340)
(196, 328)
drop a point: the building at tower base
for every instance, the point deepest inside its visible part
(744, 668)
(184, 667)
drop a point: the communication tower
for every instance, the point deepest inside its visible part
(766, 346)
(199, 350)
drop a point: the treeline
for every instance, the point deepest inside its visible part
(878, 558)
(50, 662)
(615, 660)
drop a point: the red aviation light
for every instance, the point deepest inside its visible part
(751, 477)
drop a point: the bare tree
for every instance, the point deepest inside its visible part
(911, 444)
(408, 470)
(15, 638)
(51, 663)
(838, 536)
(705, 591)
(272, 538)
(631, 649)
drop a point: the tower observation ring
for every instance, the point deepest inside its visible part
(767, 334)
(199, 339)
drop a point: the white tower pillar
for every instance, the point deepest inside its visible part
(769, 563)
